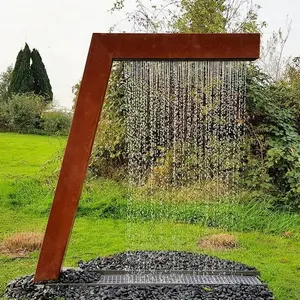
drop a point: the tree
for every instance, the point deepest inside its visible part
(30, 77)
(201, 16)
(42, 84)
(148, 17)
(198, 16)
(242, 16)
(22, 81)
(273, 162)
(5, 79)
(273, 61)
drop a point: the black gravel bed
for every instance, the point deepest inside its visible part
(24, 288)
(181, 292)
(162, 260)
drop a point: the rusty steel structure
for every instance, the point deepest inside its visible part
(104, 49)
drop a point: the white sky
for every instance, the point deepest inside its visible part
(61, 31)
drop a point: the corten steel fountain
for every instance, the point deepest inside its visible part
(104, 49)
(192, 94)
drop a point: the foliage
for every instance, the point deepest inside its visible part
(109, 151)
(5, 79)
(22, 80)
(292, 81)
(108, 155)
(30, 75)
(25, 113)
(214, 16)
(272, 157)
(42, 84)
(272, 60)
(4, 116)
(56, 122)
(202, 16)
(148, 16)
(273, 164)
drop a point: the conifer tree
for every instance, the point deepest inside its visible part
(42, 84)
(15, 82)
(22, 80)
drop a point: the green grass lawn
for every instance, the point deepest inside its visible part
(24, 155)
(27, 180)
(277, 258)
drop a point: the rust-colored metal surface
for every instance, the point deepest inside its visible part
(104, 49)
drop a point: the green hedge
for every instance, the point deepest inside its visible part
(29, 113)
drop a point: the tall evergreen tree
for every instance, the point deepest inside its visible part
(15, 82)
(42, 84)
(22, 80)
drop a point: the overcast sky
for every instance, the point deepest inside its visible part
(61, 30)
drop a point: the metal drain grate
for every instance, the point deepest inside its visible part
(163, 278)
(174, 279)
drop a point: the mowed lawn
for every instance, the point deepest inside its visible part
(27, 157)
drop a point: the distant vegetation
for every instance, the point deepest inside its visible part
(272, 142)
(28, 113)
(26, 98)
(30, 76)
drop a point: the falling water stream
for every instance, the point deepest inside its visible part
(184, 134)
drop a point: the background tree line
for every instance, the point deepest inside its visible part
(272, 162)
(272, 159)
(26, 98)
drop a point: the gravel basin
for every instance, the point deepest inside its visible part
(82, 283)
(162, 260)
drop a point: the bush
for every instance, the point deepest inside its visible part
(107, 159)
(109, 153)
(273, 162)
(25, 113)
(4, 117)
(56, 122)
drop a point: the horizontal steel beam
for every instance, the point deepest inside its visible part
(180, 46)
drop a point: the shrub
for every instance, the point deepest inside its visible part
(4, 117)
(56, 122)
(273, 162)
(107, 159)
(25, 113)
(109, 153)
(270, 165)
